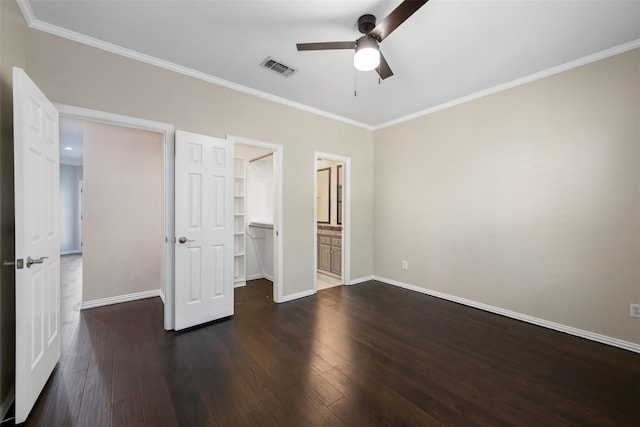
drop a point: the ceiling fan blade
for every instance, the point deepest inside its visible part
(395, 18)
(383, 69)
(326, 45)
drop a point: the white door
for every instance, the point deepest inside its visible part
(37, 233)
(204, 229)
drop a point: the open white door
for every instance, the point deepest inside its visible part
(204, 229)
(37, 172)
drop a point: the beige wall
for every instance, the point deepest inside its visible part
(123, 228)
(13, 42)
(75, 74)
(528, 200)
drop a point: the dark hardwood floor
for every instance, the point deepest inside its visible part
(366, 355)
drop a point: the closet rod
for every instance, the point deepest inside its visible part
(261, 157)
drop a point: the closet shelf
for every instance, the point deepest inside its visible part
(239, 222)
(261, 225)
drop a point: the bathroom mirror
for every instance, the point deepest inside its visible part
(324, 195)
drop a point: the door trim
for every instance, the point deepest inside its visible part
(168, 130)
(346, 220)
(278, 214)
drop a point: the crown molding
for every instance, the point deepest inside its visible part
(518, 82)
(55, 30)
(36, 24)
(27, 12)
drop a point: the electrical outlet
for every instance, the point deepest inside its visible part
(635, 310)
(405, 265)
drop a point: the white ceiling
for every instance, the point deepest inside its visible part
(446, 51)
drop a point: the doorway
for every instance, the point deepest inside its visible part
(71, 173)
(123, 169)
(164, 181)
(332, 220)
(257, 213)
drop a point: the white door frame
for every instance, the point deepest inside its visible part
(277, 219)
(80, 213)
(168, 131)
(346, 213)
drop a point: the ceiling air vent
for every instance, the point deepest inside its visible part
(278, 67)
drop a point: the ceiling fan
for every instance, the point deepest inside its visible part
(367, 54)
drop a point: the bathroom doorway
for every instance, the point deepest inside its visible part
(332, 236)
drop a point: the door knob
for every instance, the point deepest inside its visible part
(184, 240)
(31, 261)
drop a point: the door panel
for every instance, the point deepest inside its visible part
(195, 284)
(37, 169)
(195, 199)
(324, 257)
(336, 261)
(204, 219)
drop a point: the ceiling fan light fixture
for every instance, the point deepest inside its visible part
(367, 55)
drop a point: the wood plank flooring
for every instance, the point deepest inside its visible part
(366, 355)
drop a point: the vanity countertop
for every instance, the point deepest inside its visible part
(330, 230)
(323, 227)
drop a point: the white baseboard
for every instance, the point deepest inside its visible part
(615, 342)
(120, 298)
(161, 296)
(239, 284)
(6, 404)
(361, 280)
(298, 295)
(310, 292)
(260, 276)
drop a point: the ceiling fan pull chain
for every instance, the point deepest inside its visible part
(355, 83)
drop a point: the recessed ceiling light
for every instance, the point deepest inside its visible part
(68, 148)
